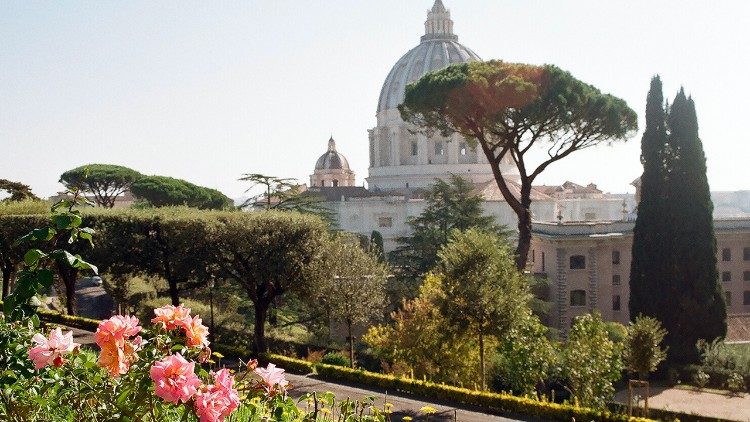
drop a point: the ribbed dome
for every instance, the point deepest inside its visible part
(439, 49)
(332, 160)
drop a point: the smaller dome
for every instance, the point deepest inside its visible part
(332, 160)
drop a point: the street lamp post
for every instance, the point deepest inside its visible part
(211, 283)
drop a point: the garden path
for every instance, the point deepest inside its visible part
(402, 404)
(721, 406)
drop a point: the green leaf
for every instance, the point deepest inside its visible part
(31, 258)
(45, 277)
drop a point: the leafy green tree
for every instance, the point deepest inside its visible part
(64, 228)
(481, 290)
(526, 357)
(450, 205)
(17, 191)
(163, 191)
(419, 341)
(643, 352)
(17, 221)
(591, 361)
(269, 253)
(104, 181)
(511, 110)
(673, 275)
(283, 194)
(352, 285)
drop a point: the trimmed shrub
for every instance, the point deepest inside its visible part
(295, 366)
(502, 403)
(336, 359)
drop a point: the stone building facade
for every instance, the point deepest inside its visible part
(587, 267)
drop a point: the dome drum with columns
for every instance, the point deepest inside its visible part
(400, 158)
(332, 169)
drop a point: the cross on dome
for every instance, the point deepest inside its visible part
(331, 145)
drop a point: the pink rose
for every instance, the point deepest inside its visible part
(116, 330)
(272, 378)
(219, 400)
(174, 379)
(117, 349)
(50, 350)
(170, 316)
(195, 332)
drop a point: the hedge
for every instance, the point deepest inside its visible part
(717, 376)
(504, 403)
(295, 366)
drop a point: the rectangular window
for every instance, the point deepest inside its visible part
(615, 257)
(726, 276)
(589, 216)
(543, 266)
(577, 262)
(533, 255)
(462, 148)
(746, 275)
(616, 280)
(746, 298)
(726, 254)
(746, 254)
(728, 297)
(578, 298)
(439, 148)
(414, 148)
(616, 302)
(385, 222)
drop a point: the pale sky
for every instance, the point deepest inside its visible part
(206, 91)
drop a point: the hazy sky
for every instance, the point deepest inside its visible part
(206, 91)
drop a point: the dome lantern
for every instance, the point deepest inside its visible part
(439, 23)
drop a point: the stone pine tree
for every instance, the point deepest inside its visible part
(700, 311)
(651, 234)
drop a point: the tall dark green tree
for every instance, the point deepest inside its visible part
(673, 272)
(700, 307)
(651, 234)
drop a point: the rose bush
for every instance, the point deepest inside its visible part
(160, 373)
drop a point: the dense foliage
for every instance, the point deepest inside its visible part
(481, 291)
(162, 191)
(17, 191)
(673, 275)
(509, 109)
(105, 182)
(591, 361)
(643, 352)
(450, 205)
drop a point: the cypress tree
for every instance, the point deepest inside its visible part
(698, 308)
(651, 232)
(673, 275)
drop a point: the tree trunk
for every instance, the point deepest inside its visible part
(259, 331)
(351, 343)
(173, 292)
(7, 272)
(69, 276)
(524, 238)
(481, 361)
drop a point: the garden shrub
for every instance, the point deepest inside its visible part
(336, 359)
(502, 403)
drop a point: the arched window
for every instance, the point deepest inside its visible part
(578, 298)
(577, 262)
